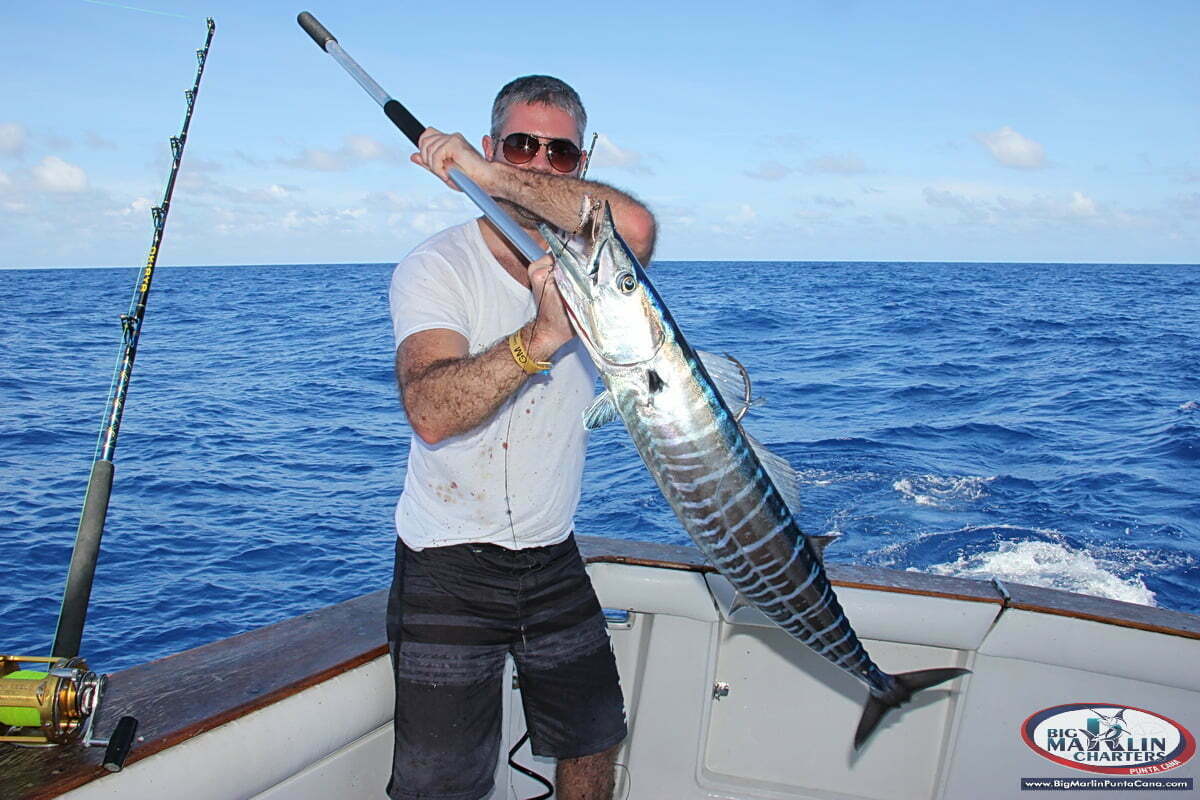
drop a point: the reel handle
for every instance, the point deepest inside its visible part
(120, 743)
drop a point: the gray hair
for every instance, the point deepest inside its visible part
(541, 89)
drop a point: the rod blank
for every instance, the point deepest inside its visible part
(76, 596)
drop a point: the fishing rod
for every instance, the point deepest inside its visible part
(57, 702)
(403, 119)
(95, 505)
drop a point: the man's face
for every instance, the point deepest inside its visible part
(543, 121)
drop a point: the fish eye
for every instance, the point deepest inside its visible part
(626, 282)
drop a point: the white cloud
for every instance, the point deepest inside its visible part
(12, 138)
(845, 164)
(1012, 149)
(831, 202)
(363, 148)
(423, 223)
(98, 142)
(743, 216)
(977, 208)
(355, 150)
(55, 175)
(319, 160)
(769, 171)
(5, 181)
(1187, 204)
(1081, 205)
(608, 155)
(972, 210)
(140, 205)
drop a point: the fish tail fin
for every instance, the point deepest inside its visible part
(904, 686)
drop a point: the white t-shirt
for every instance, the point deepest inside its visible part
(526, 458)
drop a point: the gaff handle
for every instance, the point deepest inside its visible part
(315, 29)
(403, 119)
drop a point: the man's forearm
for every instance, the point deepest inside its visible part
(452, 396)
(557, 199)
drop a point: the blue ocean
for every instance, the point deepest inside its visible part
(1035, 422)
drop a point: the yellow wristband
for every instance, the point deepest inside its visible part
(522, 357)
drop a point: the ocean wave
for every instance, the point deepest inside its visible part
(1054, 565)
(940, 491)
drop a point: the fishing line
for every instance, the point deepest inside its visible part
(507, 443)
(512, 756)
(133, 8)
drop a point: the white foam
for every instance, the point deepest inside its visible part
(825, 477)
(1052, 565)
(940, 491)
(1190, 405)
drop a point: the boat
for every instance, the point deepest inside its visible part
(720, 702)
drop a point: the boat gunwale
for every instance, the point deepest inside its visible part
(1020, 597)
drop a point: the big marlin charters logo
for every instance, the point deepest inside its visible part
(1108, 738)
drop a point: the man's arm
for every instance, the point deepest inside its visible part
(446, 391)
(558, 200)
(554, 197)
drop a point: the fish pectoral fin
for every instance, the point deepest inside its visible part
(786, 480)
(739, 601)
(731, 379)
(601, 412)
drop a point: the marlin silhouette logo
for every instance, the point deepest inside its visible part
(1104, 728)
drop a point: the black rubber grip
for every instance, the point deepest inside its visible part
(403, 119)
(315, 29)
(119, 744)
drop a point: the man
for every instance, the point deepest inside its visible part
(494, 382)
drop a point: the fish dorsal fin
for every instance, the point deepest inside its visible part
(601, 412)
(819, 543)
(781, 473)
(731, 379)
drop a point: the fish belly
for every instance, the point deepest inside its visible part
(714, 482)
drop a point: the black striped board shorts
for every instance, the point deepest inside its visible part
(454, 613)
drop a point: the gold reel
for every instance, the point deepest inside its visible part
(51, 705)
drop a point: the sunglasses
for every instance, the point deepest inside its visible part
(520, 148)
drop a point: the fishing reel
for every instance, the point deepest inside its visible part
(57, 705)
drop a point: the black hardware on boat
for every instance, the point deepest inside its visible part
(57, 701)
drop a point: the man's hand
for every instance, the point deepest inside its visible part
(440, 151)
(551, 326)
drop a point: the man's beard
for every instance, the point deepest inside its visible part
(524, 217)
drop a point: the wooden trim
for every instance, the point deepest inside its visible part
(184, 695)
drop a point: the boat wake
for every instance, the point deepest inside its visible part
(1054, 565)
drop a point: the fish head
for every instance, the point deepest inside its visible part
(609, 301)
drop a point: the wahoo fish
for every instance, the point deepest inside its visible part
(732, 495)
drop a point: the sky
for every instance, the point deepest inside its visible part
(801, 131)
